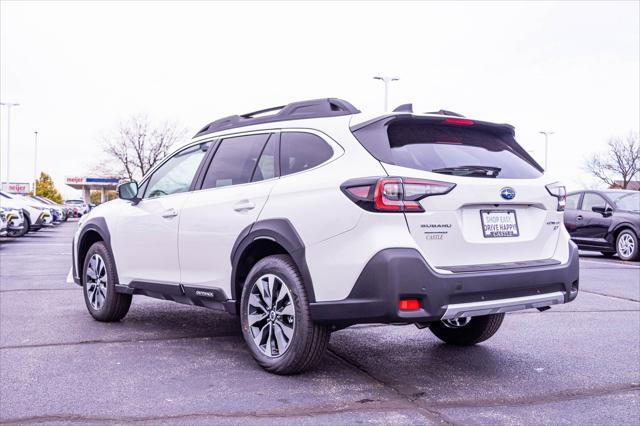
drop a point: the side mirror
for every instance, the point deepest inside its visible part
(128, 191)
(604, 211)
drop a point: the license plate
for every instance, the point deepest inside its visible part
(499, 223)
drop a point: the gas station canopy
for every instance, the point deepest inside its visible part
(87, 184)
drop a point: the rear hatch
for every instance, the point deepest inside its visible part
(499, 210)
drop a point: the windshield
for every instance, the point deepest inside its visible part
(626, 200)
(472, 151)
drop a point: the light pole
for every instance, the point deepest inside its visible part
(9, 105)
(386, 80)
(35, 163)
(546, 148)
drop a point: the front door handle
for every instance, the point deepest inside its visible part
(169, 213)
(244, 205)
(579, 217)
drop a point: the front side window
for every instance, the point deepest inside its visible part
(572, 202)
(591, 200)
(302, 151)
(234, 161)
(177, 173)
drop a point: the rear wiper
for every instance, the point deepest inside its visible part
(480, 171)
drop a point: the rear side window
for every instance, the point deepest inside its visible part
(474, 150)
(572, 202)
(234, 161)
(302, 151)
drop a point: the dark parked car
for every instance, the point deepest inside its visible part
(607, 221)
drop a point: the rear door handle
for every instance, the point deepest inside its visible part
(579, 217)
(169, 213)
(244, 205)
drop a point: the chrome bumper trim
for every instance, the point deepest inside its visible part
(475, 309)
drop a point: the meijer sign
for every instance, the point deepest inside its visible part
(19, 187)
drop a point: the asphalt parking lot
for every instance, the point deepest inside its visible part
(168, 363)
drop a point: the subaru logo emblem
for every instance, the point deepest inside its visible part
(508, 193)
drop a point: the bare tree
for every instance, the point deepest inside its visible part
(137, 145)
(620, 164)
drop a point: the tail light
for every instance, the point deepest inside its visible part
(393, 194)
(559, 191)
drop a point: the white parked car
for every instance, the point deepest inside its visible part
(14, 221)
(58, 211)
(312, 217)
(50, 212)
(35, 215)
(3, 223)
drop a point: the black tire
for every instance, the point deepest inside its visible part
(115, 305)
(309, 340)
(628, 235)
(477, 330)
(27, 224)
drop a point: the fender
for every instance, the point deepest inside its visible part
(98, 225)
(633, 227)
(282, 232)
(610, 237)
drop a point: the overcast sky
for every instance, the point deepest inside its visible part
(79, 68)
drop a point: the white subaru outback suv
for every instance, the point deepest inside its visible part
(312, 217)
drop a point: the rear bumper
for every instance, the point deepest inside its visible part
(401, 273)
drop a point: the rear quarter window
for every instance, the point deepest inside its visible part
(302, 151)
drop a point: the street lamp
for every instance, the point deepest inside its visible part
(546, 147)
(9, 105)
(386, 80)
(35, 163)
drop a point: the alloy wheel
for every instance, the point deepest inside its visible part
(626, 245)
(96, 282)
(271, 315)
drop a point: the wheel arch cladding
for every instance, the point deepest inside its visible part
(94, 230)
(265, 238)
(621, 227)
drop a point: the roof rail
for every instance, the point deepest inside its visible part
(445, 112)
(315, 108)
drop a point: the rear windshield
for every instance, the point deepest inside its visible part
(449, 149)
